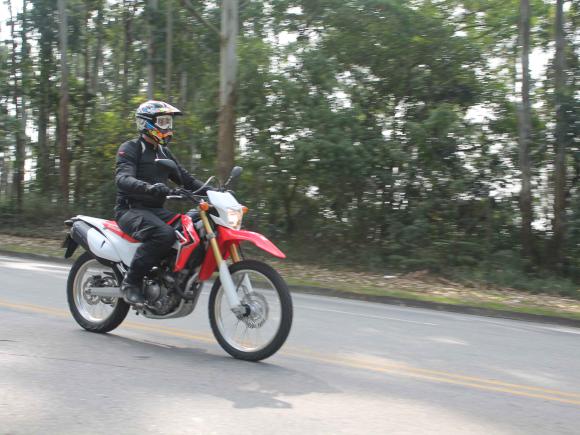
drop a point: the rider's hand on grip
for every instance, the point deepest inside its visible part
(158, 189)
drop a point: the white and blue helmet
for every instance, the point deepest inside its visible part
(155, 119)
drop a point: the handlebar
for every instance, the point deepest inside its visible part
(183, 194)
(186, 194)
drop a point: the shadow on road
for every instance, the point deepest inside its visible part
(196, 370)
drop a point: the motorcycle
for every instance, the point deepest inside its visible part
(250, 306)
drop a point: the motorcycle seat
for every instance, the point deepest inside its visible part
(112, 226)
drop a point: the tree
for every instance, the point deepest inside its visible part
(525, 131)
(228, 36)
(127, 47)
(561, 98)
(356, 125)
(151, 16)
(228, 87)
(168, 47)
(19, 103)
(44, 97)
(63, 105)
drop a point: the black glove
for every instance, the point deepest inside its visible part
(158, 189)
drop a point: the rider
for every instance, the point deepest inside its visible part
(142, 190)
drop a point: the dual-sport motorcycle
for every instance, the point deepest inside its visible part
(250, 307)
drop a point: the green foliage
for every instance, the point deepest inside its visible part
(353, 122)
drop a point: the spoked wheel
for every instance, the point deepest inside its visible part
(94, 313)
(264, 328)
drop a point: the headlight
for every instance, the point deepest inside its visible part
(235, 218)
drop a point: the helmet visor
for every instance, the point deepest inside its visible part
(164, 122)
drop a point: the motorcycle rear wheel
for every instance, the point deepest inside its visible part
(260, 334)
(93, 313)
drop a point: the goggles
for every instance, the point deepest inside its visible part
(164, 122)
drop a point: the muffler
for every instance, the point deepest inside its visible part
(105, 292)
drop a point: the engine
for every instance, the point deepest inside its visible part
(161, 291)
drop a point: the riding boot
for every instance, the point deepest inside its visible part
(132, 290)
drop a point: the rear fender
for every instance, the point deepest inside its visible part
(93, 241)
(226, 237)
(70, 245)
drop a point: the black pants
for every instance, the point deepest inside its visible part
(148, 225)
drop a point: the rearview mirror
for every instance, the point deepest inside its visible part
(236, 172)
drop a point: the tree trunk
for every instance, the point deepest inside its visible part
(46, 58)
(20, 134)
(97, 53)
(525, 129)
(228, 88)
(3, 174)
(63, 105)
(127, 46)
(152, 9)
(560, 94)
(21, 150)
(168, 48)
(183, 88)
(87, 101)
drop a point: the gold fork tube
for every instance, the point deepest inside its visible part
(234, 253)
(211, 236)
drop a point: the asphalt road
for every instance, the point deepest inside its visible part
(348, 367)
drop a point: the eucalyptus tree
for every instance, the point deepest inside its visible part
(227, 36)
(562, 99)
(63, 109)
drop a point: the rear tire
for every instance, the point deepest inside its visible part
(84, 307)
(271, 299)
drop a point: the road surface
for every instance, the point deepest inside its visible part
(348, 367)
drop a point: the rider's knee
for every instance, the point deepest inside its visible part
(166, 236)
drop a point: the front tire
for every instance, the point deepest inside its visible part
(261, 333)
(94, 313)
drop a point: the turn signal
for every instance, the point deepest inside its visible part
(245, 209)
(204, 206)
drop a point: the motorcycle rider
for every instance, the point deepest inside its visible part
(142, 189)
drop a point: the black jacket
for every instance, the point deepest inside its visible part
(136, 169)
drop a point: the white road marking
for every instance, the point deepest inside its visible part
(448, 340)
(34, 267)
(564, 330)
(369, 316)
(7, 261)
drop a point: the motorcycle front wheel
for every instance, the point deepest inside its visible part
(94, 313)
(264, 328)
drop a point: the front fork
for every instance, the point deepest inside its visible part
(224, 271)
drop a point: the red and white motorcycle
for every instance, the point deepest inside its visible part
(250, 307)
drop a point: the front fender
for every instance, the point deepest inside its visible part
(227, 237)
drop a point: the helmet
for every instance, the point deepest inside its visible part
(155, 119)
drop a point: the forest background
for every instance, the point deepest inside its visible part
(386, 135)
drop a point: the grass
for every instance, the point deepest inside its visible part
(374, 291)
(48, 251)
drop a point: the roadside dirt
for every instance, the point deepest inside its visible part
(423, 283)
(419, 283)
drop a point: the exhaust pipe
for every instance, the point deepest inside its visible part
(105, 292)
(78, 233)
